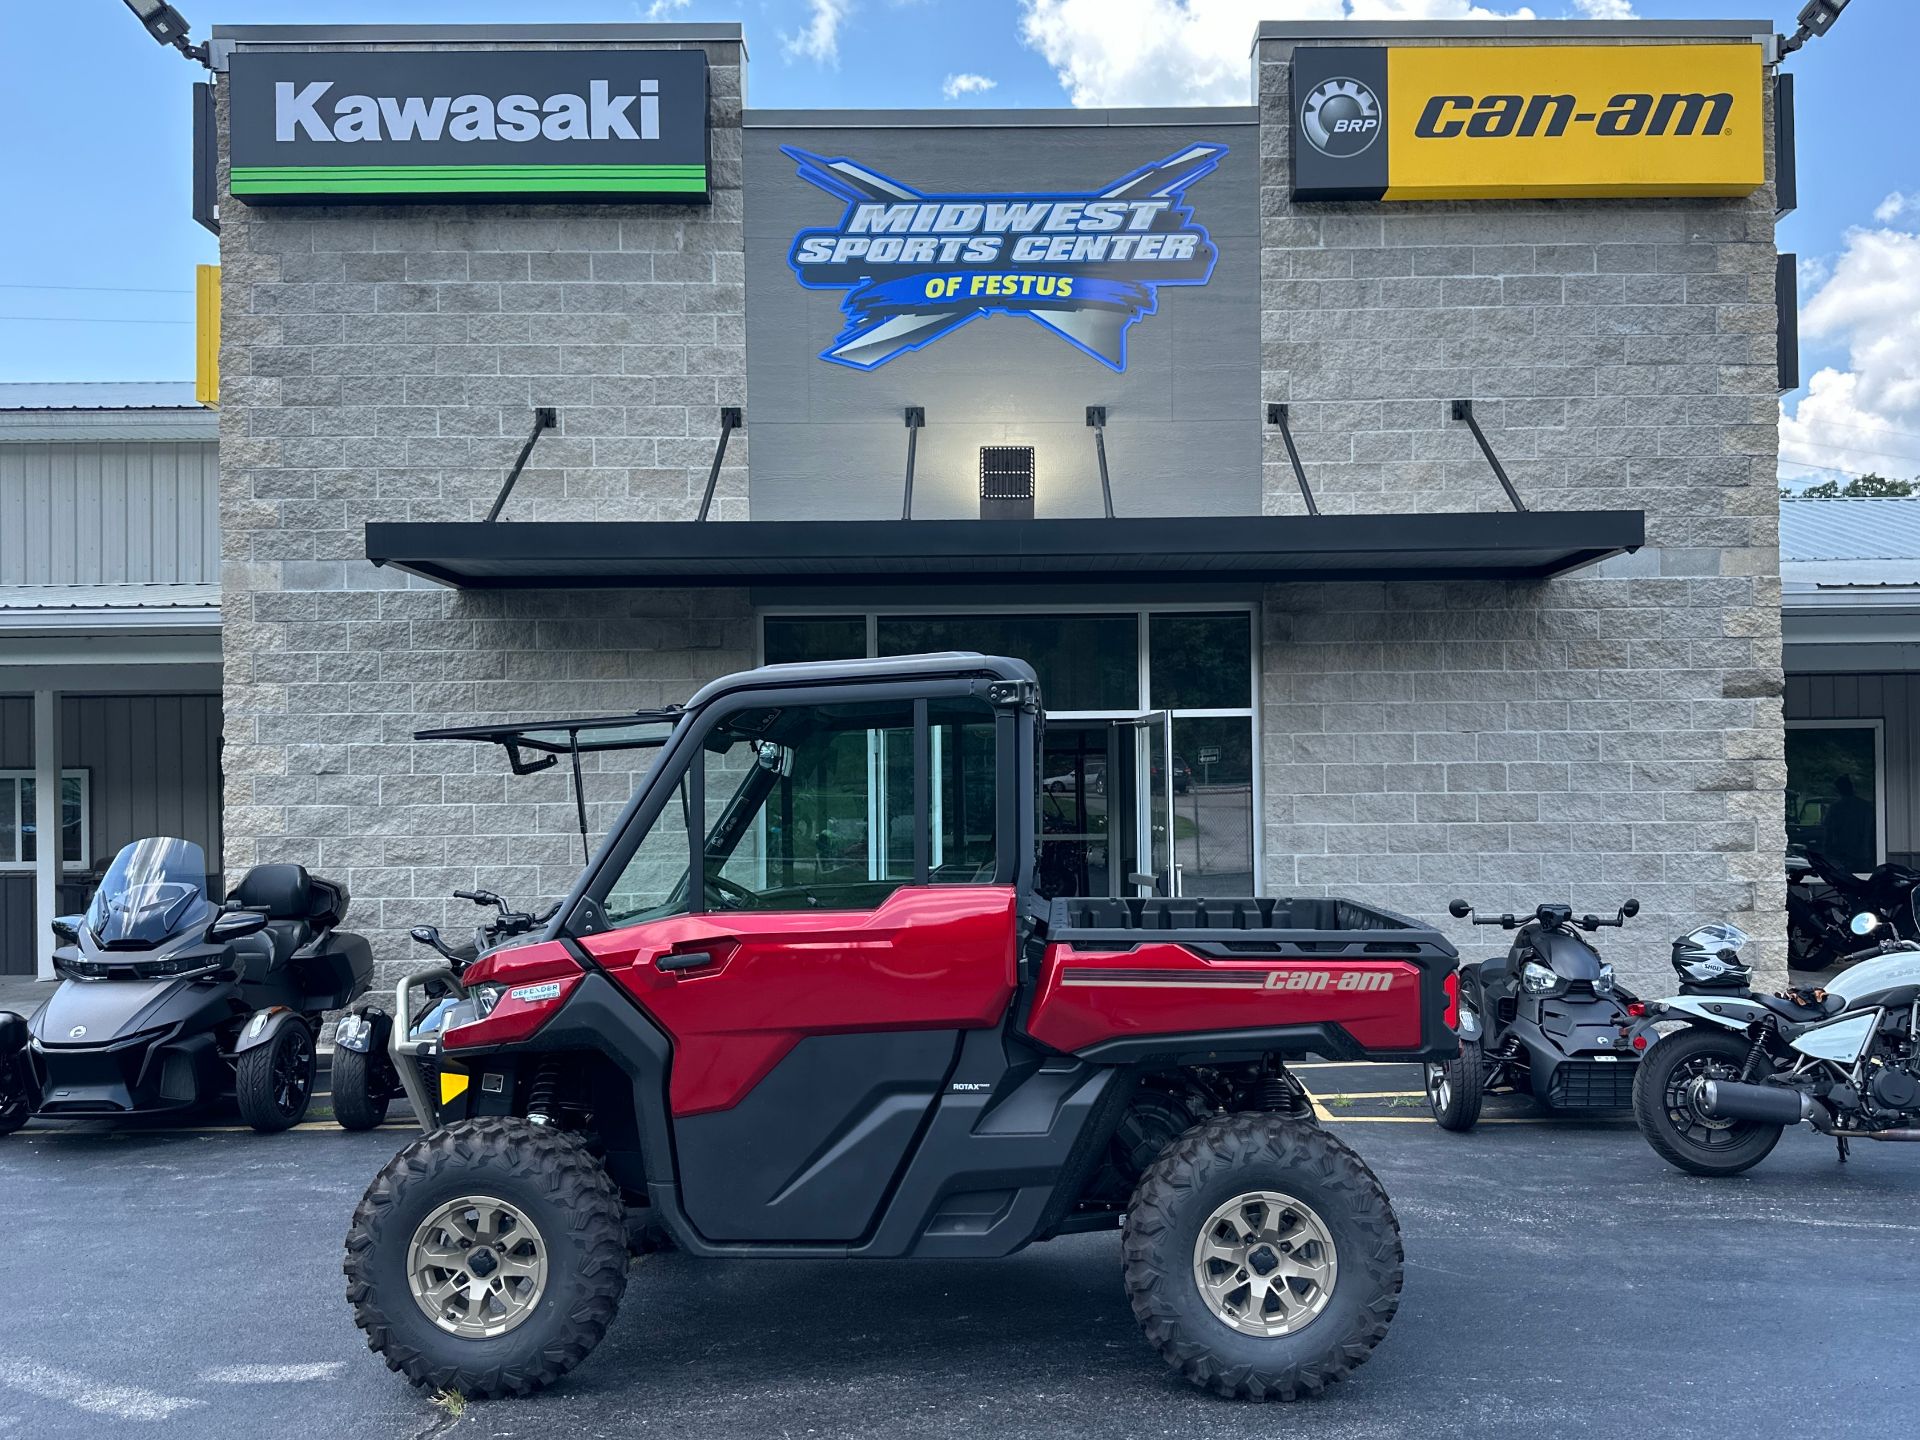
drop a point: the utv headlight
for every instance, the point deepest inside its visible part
(1537, 978)
(1604, 984)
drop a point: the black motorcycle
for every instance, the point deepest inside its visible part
(1546, 1019)
(171, 1002)
(370, 1071)
(1819, 936)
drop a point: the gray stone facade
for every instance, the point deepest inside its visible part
(382, 363)
(1617, 731)
(1609, 733)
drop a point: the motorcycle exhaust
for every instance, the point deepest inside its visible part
(1908, 1134)
(1731, 1100)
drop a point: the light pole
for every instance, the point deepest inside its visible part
(169, 27)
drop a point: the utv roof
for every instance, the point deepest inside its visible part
(945, 664)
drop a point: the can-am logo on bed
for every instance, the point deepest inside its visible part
(919, 264)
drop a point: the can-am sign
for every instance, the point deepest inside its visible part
(351, 127)
(1462, 122)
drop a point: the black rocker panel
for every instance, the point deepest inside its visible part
(811, 1151)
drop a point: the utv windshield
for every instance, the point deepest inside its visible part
(154, 889)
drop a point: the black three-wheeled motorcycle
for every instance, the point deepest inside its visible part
(1546, 1019)
(172, 1002)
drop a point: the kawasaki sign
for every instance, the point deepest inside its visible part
(1456, 122)
(354, 127)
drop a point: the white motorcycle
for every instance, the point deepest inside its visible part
(1713, 1097)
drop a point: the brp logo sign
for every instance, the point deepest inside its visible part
(1341, 117)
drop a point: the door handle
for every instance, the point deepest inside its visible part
(695, 954)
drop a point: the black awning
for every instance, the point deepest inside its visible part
(1521, 545)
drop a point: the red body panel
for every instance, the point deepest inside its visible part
(1087, 996)
(930, 958)
(513, 1017)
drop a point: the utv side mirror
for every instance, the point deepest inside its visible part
(66, 928)
(1630, 909)
(235, 925)
(1459, 909)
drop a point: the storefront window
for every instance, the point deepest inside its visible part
(1213, 805)
(1833, 791)
(794, 638)
(1085, 662)
(1201, 662)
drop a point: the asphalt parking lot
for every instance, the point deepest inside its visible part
(1560, 1278)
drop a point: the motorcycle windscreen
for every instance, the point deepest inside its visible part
(154, 889)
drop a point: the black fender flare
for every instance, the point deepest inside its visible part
(13, 1033)
(263, 1025)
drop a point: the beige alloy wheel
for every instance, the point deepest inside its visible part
(1265, 1264)
(477, 1267)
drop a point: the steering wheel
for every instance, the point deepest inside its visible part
(721, 888)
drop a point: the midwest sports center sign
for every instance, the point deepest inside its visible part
(1457, 122)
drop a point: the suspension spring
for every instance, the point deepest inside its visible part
(1280, 1092)
(1756, 1058)
(544, 1093)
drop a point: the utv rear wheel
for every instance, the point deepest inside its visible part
(361, 1093)
(273, 1083)
(1455, 1089)
(1262, 1257)
(1666, 1103)
(488, 1258)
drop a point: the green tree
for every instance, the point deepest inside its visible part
(1860, 487)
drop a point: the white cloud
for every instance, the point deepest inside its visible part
(1604, 9)
(1190, 52)
(662, 9)
(965, 84)
(1895, 205)
(1865, 417)
(819, 38)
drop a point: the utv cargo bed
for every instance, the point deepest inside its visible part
(1243, 977)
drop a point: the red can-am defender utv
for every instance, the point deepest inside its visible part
(805, 1001)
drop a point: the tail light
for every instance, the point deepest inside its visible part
(1636, 1010)
(514, 992)
(1451, 988)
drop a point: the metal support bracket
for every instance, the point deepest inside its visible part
(1097, 422)
(545, 417)
(732, 417)
(1277, 415)
(916, 418)
(1463, 410)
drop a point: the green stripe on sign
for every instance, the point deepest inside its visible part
(465, 179)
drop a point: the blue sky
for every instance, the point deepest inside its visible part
(100, 173)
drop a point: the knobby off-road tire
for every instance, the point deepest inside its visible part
(1456, 1088)
(273, 1083)
(1211, 1167)
(355, 1076)
(1680, 1135)
(551, 1180)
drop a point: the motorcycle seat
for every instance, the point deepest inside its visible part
(1792, 1010)
(299, 907)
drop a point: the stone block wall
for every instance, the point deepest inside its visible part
(1612, 732)
(383, 363)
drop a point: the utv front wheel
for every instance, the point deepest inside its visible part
(1455, 1088)
(273, 1083)
(487, 1258)
(1262, 1257)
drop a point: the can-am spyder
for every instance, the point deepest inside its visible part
(1713, 1097)
(171, 1001)
(1546, 1019)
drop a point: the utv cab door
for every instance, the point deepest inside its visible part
(814, 896)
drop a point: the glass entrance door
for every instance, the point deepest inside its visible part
(1161, 875)
(1086, 786)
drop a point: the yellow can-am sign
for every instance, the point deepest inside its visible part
(1455, 122)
